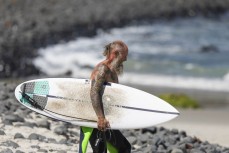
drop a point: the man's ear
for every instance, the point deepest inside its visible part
(116, 53)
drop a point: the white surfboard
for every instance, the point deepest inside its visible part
(68, 99)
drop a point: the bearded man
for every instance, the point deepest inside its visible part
(108, 70)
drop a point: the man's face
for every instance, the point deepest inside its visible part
(118, 62)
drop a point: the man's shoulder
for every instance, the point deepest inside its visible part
(102, 67)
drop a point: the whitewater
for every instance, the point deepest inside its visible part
(184, 53)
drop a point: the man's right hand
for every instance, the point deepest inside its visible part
(103, 124)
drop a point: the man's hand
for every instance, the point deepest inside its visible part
(103, 124)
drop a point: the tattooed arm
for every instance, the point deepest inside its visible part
(96, 96)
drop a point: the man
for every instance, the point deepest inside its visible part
(106, 71)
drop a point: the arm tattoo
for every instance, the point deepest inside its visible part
(97, 90)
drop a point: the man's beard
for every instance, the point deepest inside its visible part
(118, 67)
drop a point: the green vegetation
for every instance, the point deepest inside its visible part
(180, 100)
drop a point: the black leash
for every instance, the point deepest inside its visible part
(100, 142)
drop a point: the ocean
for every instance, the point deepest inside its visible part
(191, 53)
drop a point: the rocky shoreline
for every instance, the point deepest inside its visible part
(28, 25)
(22, 130)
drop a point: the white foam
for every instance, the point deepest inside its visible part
(226, 77)
(141, 40)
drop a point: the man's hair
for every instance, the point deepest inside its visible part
(108, 48)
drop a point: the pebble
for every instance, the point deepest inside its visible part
(44, 124)
(42, 150)
(18, 151)
(12, 118)
(61, 130)
(2, 132)
(6, 151)
(35, 136)
(176, 150)
(10, 144)
(18, 136)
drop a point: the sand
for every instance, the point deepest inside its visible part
(207, 124)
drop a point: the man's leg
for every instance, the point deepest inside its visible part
(117, 143)
(85, 134)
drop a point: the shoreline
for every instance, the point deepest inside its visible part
(206, 98)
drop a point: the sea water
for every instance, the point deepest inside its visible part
(188, 53)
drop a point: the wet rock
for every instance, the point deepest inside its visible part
(177, 151)
(29, 124)
(18, 151)
(18, 136)
(61, 130)
(44, 124)
(152, 130)
(35, 146)
(132, 139)
(35, 136)
(61, 151)
(209, 49)
(6, 151)
(12, 118)
(2, 132)
(63, 141)
(51, 140)
(10, 144)
(42, 150)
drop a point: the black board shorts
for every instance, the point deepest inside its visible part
(114, 142)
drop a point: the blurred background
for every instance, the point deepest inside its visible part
(178, 49)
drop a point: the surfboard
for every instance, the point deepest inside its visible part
(68, 100)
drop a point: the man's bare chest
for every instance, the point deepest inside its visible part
(112, 77)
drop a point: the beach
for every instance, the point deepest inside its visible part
(207, 124)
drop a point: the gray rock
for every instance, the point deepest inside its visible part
(63, 141)
(13, 118)
(132, 140)
(44, 124)
(35, 136)
(35, 146)
(18, 136)
(6, 151)
(61, 130)
(152, 130)
(51, 140)
(196, 151)
(61, 151)
(18, 151)
(29, 124)
(188, 140)
(2, 132)
(174, 131)
(10, 144)
(42, 150)
(144, 138)
(176, 150)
